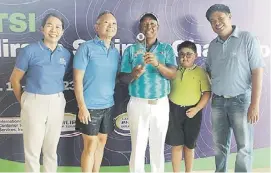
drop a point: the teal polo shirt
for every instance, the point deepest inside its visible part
(44, 69)
(100, 66)
(151, 84)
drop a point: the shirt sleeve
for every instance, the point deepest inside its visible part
(22, 60)
(208, 61)
(126, 64)
(68, 67)
(81, 58)
(170, 57)
(204, 82)
(254, 53)
(119, 61)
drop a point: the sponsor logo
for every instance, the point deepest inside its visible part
(122, 125)
(68, 126)
(13, 125)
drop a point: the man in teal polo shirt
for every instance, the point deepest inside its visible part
(95, 68)
(235, 65)
(148, 108)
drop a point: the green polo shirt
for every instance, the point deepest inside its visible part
(188, 86)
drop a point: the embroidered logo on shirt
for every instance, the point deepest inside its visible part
(161, 53)
(139, 52)
(233, 54)
(62, 61)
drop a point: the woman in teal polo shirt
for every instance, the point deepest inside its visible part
(43, 64)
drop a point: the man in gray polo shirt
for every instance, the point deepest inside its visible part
(235, 65)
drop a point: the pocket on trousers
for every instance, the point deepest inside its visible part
(64, 100)
(23, 100)
(129, 104)
(243, 98)
(216, 100)
(214, 96)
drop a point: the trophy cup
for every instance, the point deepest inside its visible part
(141, 46)
(141, 41)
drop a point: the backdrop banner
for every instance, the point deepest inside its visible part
(179, 20)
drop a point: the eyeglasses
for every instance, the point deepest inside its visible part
(188, 55)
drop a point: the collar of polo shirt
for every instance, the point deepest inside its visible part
(191, 68)
(153, 46)
(44, 47)
(99, 41)
(235, 33)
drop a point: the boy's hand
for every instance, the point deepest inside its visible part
(192, 112)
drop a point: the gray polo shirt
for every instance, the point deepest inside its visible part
(230, 63)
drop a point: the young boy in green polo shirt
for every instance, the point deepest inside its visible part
(190, 92)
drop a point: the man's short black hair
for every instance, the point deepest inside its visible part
(217, 7)
(150, 15)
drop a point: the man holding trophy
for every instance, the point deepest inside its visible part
(148, 66)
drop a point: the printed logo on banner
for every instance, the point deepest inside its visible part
(12, 125)
(122, 125)
(68, 126)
